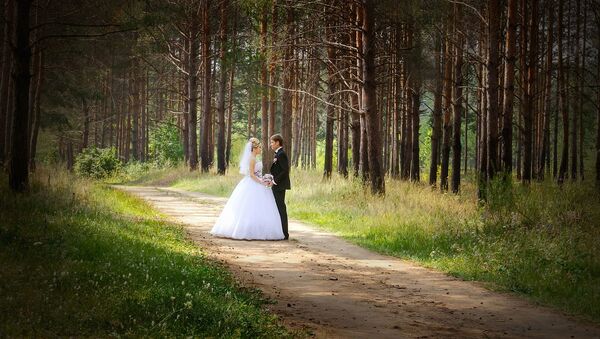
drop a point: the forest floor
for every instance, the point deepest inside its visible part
(333, 288)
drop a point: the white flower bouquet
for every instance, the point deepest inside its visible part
(267, 179)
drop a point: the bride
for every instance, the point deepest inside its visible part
(250, 212)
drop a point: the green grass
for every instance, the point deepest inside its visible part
(540, 241)
(81, 259)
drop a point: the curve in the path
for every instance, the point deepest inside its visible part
(338, 289)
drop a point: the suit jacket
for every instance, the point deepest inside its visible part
(280, 170)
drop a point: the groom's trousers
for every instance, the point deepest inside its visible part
(280, 201)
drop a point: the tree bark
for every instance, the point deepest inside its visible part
(265, 91)
(370, 99)
(19, 155)
(221, 138)
(562, 89)
(548, 93)
(528, 116)
(457, 110)
(354, 98)
(35, 122)
(598, 126)
(581, 96)
(415, 166)
(436, 133)
(230, 95)
(492, 68)
(330, 111)
(86, 124)
(447, 111)
(509, 94)
(273, 74)
(207, 123)
(288, 83)
(577, 92)
(192, 102)
(135, 112)
(6, 67)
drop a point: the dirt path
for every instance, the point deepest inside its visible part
(337, 289)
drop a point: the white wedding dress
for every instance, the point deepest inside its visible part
(251, 212)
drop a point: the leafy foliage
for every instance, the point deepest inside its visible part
(97, 163)
(165, 146)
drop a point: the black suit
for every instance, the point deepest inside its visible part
(280, 169)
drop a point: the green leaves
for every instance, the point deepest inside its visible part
(97, 163)
(165, 147)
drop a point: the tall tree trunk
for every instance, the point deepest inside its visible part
(598, 124)
(221, 159)
(408, 113)
(492, 65)
(6, 66)
(19, 155)
(562, 90)
(330, 110)
(364, 153)
(35, 122)
(447, 110)
(207, 118)
(528, 116)
(86, 124)
(370, 98)
(135, 113)
(509, 94)
(264, 89)
(466, 157)
(457, 109)
(273, 74)
(126, 128)
(555, 128)
(577, 92)
(230, 95)
(548, 92)
(436, 133)
(192, 102)
(288, 83)
(415, 166)
(581, 95)
(354, 98)
(482, 116)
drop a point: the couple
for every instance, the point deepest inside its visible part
(254, 211)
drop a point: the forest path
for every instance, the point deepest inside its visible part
(339, 290)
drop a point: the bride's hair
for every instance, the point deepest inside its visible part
(254, 142)
(247, 155)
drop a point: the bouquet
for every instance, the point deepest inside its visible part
(267, 179)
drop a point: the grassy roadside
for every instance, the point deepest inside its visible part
(540, 242)
(81, 259)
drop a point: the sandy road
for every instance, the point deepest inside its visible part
(339, 290)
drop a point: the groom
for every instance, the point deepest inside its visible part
(280, 170)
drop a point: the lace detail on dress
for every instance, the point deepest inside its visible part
(258, 168)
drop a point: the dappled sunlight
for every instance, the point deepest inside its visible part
(81, 259)
(319, 278)
(524, 241)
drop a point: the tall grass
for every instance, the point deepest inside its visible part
(81, 259)
(541, 240)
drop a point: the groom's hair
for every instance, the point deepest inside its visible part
(278, 138)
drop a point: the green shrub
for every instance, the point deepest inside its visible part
(165, 146)
(97, 163)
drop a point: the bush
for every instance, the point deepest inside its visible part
(97, 163)
(165, 145)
